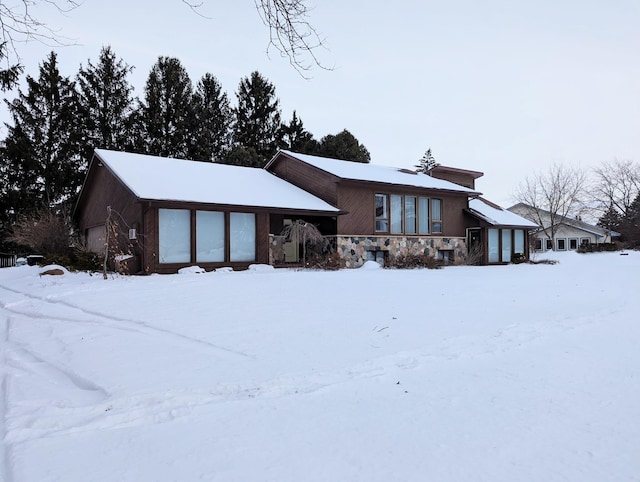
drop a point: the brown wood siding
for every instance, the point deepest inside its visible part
(461, 179)
(452, 215)
(359, 201)
(103, 189)
(313, 180)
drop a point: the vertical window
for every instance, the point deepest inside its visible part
(410, 215)
(494, 246)
(209, 236)
(538, 244)
(548, 244)
(242, 237)
(518, 241)
(573, 243)
(436, 215)
(506, 245)
(174, 235)
(423, 215)
(382, 213)
(561, 244)
(396, 214)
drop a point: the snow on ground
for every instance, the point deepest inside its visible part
(521, 372)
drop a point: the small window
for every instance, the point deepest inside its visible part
(382, 213)
(585, 241)
(548, 244)
(561, 244)
(410, 215)
(436, 215)
(423, 215)
(573, 243)
(538, 244)
(396, 214)
(446, 256)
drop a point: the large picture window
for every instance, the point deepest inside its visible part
(209, 236)
(397, 214)
(518, 241)
(242, 236)
(174, 232)
(506, 245)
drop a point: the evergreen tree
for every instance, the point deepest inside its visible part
(166, 115)
(343, 146)
(296, 138)
(611, 220)
(42, 165)
(426, 162)
(106, 99)
(630, 227)
(257, 118)
(213, 118)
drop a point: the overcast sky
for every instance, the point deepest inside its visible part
(496, 86)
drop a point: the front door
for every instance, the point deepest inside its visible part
(475, 253)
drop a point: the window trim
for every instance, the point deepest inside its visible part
(558, 241)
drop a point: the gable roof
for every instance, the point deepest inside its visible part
(167, 179)
(497, 216)
(574, 223)
(358, 171)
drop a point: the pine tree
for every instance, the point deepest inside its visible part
(611, 220)
(257, 118)
(106, 99)
(630, 226)
(166, 115)
(213, 118)
(426, 162)
(42, 162)
(343, 146)
(296, 138)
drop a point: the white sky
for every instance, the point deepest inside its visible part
(497, 86)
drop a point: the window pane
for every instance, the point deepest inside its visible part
(573, 243)
(209, 236)
(518, 239)
(423, 215)
(382, 215)
(410, 215)
(506, 245)
(174, 233)
(436, 215)
(494, 245)
(396, 213)
(242, 236)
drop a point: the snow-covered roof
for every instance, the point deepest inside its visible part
(167, 179)
(571, 222)
(496, 215)
(359, 171)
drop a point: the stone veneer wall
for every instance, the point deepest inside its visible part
(356, 250)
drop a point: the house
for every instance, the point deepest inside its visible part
(569, 233)
(495, 234)
(175, 213)
(392, 212)
(164, 214)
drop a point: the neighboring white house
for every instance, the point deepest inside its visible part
(569, 233)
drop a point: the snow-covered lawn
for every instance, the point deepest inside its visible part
(508, 373)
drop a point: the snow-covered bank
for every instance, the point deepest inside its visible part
(468, 373)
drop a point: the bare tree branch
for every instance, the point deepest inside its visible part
(291, 34)
(552, 196)
(18, 23)
(616, 185)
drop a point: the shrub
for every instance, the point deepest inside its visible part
(596, 248)
(45, 233)
(327, 261)
(410, 261)
(517, 258)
